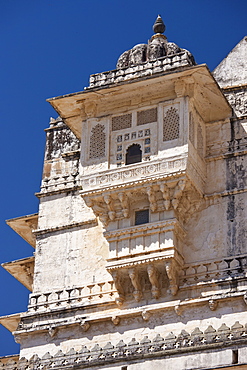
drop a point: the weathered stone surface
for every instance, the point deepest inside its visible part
(140, 254)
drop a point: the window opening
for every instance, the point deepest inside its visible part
(142, 217)
(134, 154)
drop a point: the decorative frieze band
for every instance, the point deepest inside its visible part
(147, 347)
(137, 171)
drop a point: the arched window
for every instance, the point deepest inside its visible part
(134, 154)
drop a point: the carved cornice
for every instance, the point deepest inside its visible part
(74, 225)
(143, 259)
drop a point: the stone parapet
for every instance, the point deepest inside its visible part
(165, 64)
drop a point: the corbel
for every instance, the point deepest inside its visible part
(124, 203)
(115, 319)
(135, 280)
(152, 199)
(212, 304)
(166, 195)
(118, 284)
(146, 315)
(52, 331)
(108, 201)
(178, 309)
(153, 276)
(98, 208)
(178, 193)
(84, 325)
(172, 273)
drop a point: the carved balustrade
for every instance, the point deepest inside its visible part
(190, 275)
(88, 294)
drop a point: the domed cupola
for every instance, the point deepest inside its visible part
(157, 47)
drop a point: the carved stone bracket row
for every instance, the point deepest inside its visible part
(112, 204)
(169, 268)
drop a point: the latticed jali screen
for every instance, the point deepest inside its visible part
(171, 125)
(146, 116)
(97, 142)
(121, 122)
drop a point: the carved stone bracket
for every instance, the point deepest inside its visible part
(119, 287)
(123, 197)
(84, 325)
(52, 331)
(172, 270)
(154, 280)
(135, 279)
(162, 195)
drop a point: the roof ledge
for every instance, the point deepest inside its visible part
(24, 226)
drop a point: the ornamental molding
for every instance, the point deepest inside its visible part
(47, 320)
(137, 172)
(165, 225)
(74, 225)
(157, 345)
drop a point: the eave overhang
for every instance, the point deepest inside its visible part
(24, 226)
(196, 82)
(10, 322)
(22, 270)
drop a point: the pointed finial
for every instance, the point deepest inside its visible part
(159, 26)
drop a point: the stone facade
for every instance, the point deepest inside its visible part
(140, 257)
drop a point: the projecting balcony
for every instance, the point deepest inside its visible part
(149, 252)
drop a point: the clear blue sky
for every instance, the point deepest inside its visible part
(49, 48)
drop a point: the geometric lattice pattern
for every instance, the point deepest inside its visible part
(97, 142)
(142, 217)
(121, 122)
(171, 125)
(199, 141)
(146, 116)
(192, 130)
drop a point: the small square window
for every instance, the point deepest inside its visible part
(147, 141)
(140, 133)
(119, 164)
(147, 149)
(133, 135)
(142, 217)
(119, 138)
(119, 157)
(147, 132)
(119, 148)
(126, 136)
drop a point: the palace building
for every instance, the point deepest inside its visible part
(140, 255)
